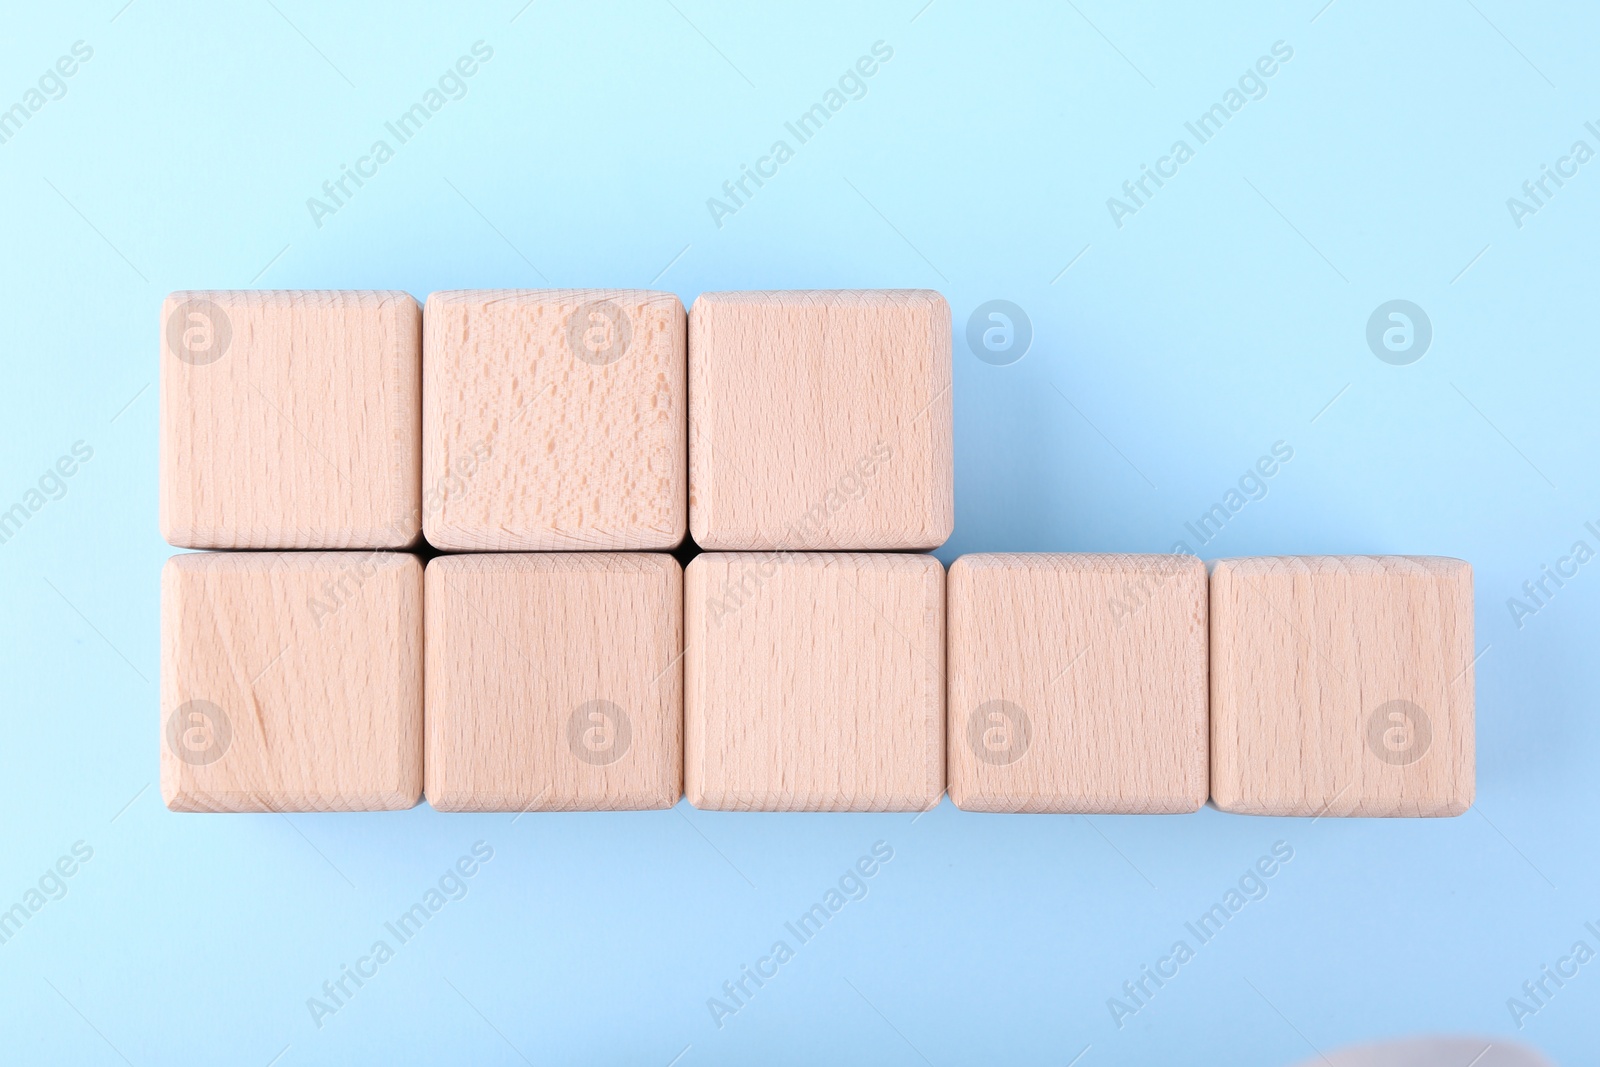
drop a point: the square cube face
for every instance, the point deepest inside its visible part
(291, 681)
(555, 682)
(1078, 683)
(554, 419)
(291, 419)
(820, 420)
(1342, 685)
(814, 682)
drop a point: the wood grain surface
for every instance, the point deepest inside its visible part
(1342, 685)
(1078, 683)
(820, 420)
(291, 681)
(554, 419)
(290, 419)
(814, 682)
(555, 682)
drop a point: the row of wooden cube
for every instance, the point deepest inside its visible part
(550, 420)
(817, 682)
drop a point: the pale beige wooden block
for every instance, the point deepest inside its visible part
(291, 681)
(814, 682)
(820, 420)
(1078, 683)
(1342, 685)
(554, 419)
(291, 419)
(555, 682)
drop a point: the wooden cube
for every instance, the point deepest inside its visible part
(1078, 683)
(291, 419)
(820, 420)
(555, 682)
(291, 681)
(1342, 685)
(555, 419)
(814, 682)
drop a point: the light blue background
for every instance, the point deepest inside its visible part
(1223, 317)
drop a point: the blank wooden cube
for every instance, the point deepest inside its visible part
(291, 681)
(820, 420)
(814, 682)
(291, 419)
(555, 682)
(554, 419)
(1342, 685)
(1078, 683)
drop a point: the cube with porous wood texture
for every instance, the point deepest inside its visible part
(555, 682)
(1077, 683)
(820, 420)
(291, 681)
(554, 419)
(814, 682)
(291, 419)
(1342, 685)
